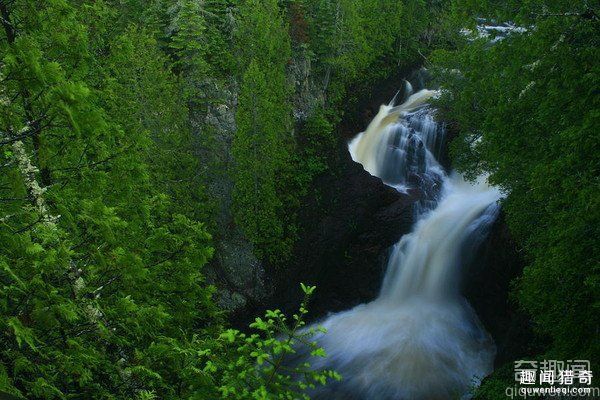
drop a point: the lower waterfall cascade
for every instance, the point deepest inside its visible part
(419, 339)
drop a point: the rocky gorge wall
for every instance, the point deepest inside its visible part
(237, 273)
(348, 221)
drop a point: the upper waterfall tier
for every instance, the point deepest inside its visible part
(402, 143)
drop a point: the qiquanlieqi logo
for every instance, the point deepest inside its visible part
(553, 378)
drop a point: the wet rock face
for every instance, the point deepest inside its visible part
(347, 225)
(487, 287)
(308, 88)
(244, 286)
(344, 252)
(235, 270)
(242, 282)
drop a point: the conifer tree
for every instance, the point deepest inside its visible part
(262, 142)
(93, 253)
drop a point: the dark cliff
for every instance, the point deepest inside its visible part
(349, 222)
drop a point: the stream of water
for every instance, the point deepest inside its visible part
(419, 339)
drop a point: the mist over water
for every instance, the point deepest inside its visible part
(419, 339)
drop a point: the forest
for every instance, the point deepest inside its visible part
(163, 162)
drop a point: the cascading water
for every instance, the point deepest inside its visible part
(419, 339)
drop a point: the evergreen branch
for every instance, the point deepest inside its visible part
(28, 227)
(95, 163)
(169, 257)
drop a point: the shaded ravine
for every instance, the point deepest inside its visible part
(419, 339)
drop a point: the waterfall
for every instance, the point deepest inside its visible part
(419, 339)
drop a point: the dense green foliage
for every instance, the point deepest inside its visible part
(102, 294)
(261, 145)
(106, 224)
(104, 220)
(528, 112)
(96, 237)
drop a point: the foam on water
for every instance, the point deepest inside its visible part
(419, 339)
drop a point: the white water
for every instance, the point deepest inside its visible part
(419, 339)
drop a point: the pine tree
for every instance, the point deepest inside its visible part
(187, 36)
(94, 252)
(262, 143)
(259, 152)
